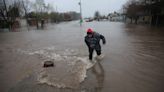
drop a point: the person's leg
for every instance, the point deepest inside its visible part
(99, 56)
(98, 52)
(98, 49)
(90, 53)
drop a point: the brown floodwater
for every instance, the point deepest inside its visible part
(133, 62)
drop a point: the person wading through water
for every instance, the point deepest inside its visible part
(92, 40)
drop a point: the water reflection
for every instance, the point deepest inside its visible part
(99, 73)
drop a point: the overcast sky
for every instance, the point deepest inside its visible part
(88, 6)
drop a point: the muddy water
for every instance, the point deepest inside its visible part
(133, 62)
(70, 68)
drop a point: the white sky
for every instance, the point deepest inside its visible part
(88, 6)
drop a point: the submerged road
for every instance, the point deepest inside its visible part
(133, 62)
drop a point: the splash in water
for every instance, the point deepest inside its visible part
(69, 71)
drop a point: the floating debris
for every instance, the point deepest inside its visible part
(48, 64)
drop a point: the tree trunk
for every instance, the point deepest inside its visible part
(157, 21)
(136, 21)
(26, 15)
(131, 20)
(37, 24)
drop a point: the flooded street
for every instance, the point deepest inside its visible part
(133, 62)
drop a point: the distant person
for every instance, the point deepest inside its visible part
(92, 40)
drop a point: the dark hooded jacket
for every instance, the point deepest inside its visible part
(94, 41)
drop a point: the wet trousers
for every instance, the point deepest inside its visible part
(91, 50)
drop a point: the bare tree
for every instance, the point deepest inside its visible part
(9, 12)
(41, 9)
(133, 9)
(27, 7)
(97, 15)
(152, 8)
(4, 10)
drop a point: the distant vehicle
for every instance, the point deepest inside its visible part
(89, 20)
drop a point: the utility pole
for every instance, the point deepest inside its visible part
(81, 20)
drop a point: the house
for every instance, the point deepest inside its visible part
(116, 17)
(153, 12)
